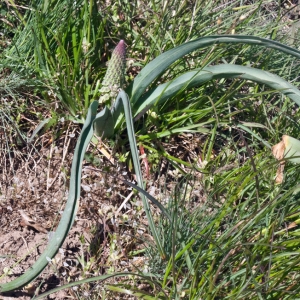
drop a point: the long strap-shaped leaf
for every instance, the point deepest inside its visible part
(70, 211)
(198, 77)
(156, 67)
(137, 167)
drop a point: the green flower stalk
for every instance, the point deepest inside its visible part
(114, 76)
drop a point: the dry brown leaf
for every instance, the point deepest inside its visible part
(278, 150)
(278, 153)
(31, 289)
(106, 154)
(292, 225)
(27, 221)
(279, 173)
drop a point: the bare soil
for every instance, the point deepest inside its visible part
(33, 191)
(110, 222)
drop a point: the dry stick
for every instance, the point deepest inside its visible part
(123, 204)
(49, 164)
(103, 149)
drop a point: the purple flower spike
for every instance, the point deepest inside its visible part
(114, 76)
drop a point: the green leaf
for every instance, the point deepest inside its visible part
(104, 123)
(137, 167)
(292, 149)
(199, 76)
(156, 67)
(69, 213)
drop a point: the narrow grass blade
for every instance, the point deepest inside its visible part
(190, 128)
(39, 127)
(152, 199)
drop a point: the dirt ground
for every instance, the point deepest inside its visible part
(33, 190)
(110, 221)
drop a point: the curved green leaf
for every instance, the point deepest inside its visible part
(195, 128)
(69, 213)
(156, 67)
(137, 167)
(198, 77)
(151, 198)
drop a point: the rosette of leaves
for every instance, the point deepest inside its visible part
(140, 96)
